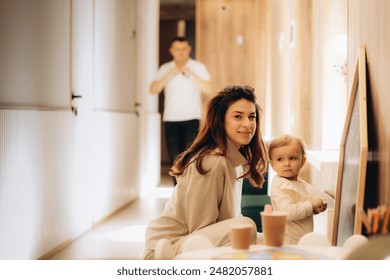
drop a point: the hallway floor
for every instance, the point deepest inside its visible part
(122, 235)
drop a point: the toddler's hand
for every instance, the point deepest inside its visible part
(324, 206)
(318, 205)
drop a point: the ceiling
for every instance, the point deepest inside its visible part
(177, 9)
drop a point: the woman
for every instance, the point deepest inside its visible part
(207, 197)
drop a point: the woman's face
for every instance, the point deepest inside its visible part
(240, 122)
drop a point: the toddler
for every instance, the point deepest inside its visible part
(288, 191)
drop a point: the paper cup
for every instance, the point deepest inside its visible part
(274, 225)
(241, 236)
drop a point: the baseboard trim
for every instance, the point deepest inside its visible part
(50, 254)
(56, 250)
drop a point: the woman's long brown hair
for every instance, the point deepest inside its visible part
(212, 135)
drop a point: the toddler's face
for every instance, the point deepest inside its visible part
(240, 122)
(287, 160)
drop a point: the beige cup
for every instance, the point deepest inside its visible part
(274, 225)
(241, 236)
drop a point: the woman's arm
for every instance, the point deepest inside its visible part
(204, 193)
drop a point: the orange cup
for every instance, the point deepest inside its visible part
(241, 236)
(274, 225)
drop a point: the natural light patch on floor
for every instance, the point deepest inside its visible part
(134, 233)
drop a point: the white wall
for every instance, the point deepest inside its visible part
(149, 118)
(34, 53)
(45, 200)
(60, 173)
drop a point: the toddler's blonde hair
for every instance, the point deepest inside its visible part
(286, 139)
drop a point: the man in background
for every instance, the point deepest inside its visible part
(183, 80)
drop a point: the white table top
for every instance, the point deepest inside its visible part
(289, 252)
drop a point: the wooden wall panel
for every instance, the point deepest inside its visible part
(226, 40)
(304, 70)
(368, 24)
(281, 70)
(270, 67)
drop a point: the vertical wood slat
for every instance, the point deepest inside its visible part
(304, 70)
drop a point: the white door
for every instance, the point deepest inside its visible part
(105, 176)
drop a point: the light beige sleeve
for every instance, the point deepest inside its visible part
(204, 193)
(282, 199)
